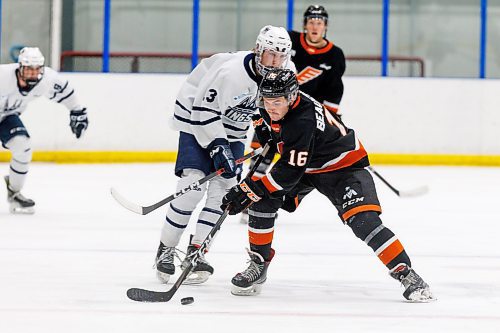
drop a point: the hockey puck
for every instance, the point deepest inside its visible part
(187, 300)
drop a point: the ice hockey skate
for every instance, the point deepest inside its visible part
(250, 281)
(165, 262)
(416, 290)
(201, 271)
(18, 203)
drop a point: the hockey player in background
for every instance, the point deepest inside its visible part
(213, 113)
(20, 83)
(320, 66)
(317, 152)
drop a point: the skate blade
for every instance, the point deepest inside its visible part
(162, 277)
(249, 291)
(22, 210)
(421, 296)
(197, 278)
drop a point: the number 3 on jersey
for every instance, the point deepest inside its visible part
(299, 159)
(211, 95)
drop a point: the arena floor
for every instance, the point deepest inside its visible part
(67, 268)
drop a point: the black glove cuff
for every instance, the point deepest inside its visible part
(217, 142)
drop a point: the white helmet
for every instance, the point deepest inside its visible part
(274, 39)
(31, 57)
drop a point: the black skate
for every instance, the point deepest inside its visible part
(165, 262)
(18, 203)
(250, 281)
(201, 271)
(416, 290)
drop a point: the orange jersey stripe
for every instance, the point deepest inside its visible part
(313, 50)
(297, 101)
(331, 109)
(359, 209)
(260, 239)
(391, 252)
(349, 159)
(270, 187)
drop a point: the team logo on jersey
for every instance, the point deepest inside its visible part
(13, 107)
(325, 66)
(307, 74)
(243, 111)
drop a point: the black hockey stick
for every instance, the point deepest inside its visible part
(143, 295)
(143, 210)
(418, 191)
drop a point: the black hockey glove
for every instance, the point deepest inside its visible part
(241, 196)
(78, 122)
(262, 130)
(221, 154)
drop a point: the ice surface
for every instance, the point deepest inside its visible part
(67, 268)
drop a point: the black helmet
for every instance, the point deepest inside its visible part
(279, 82)
(316, 11)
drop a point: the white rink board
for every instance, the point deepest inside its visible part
(130, 112)
(67, 268)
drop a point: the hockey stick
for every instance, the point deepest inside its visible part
(143, 295)
(418, 191)
(143, 210)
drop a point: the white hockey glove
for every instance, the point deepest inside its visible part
(78, 122)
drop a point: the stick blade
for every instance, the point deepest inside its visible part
(416, 192)
(149, 296)
(126, 203)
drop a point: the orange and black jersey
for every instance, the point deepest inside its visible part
(319, 70)
(309, 140)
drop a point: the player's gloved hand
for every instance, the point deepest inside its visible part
(78, 122)
(262, 130)
(241, 196)
(221, 154)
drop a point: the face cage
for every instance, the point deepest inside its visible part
(31, 81)
(263, 70)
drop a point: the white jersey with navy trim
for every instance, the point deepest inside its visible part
(13, 99)
(217, 99)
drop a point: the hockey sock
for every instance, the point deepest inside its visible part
(180, 210)
(20, 148)
(209, 215)
(368, 227)
(261, 231)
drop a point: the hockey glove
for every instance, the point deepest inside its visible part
(221, 154)
(242, 196)
(78, 122)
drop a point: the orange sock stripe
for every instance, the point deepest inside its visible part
(260, 239)
(391, 252)
(359, 209)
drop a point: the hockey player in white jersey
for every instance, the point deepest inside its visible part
(20, 83)
(213, 112)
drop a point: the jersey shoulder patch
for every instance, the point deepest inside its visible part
(307, 74)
